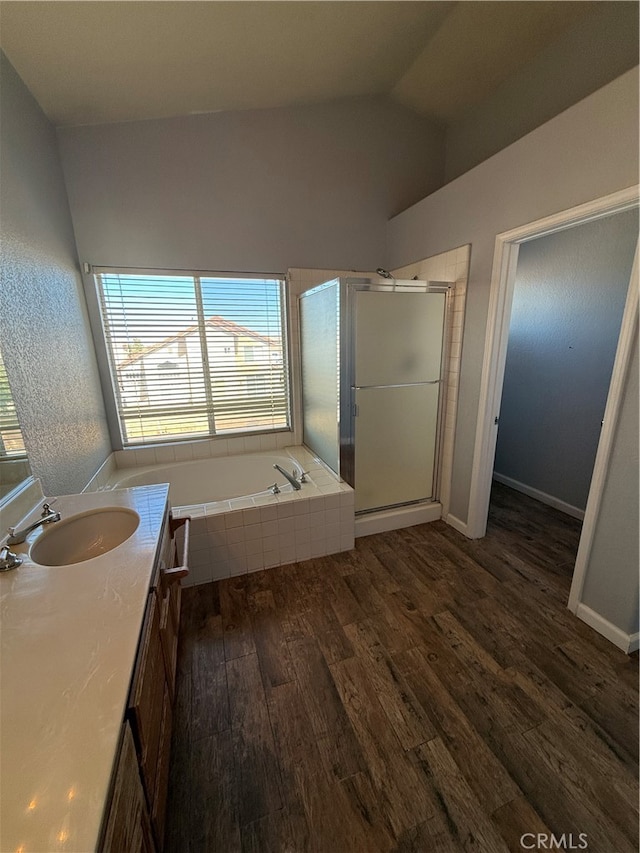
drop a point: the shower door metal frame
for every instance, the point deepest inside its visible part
(348, 294)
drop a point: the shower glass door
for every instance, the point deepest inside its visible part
(397, 363)
(320, 360)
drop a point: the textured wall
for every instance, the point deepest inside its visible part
(569, 297)
(46, 345)
(584, 153)
(259, 190)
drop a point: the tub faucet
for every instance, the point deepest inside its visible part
(290, 477)
(48, 516)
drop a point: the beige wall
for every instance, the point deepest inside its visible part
(254, 190)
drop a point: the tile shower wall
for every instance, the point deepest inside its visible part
(448, 266)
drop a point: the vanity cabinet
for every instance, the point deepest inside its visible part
(149, 713)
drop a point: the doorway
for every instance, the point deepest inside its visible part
(501, 298)
(569, 296)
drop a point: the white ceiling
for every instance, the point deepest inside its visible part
(94, 62)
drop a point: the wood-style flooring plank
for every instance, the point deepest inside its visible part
(485, 775)
(569, 758)
(214, 808)
(516, 819)
(269, 639)
(393, 634)
(236, 620)
(406, 800)
(468, 823)
(405, 715)
(611, 749)
(421, 693)
(558, 802)
(331, 725)
(257, 771)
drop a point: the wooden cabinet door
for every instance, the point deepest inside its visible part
(169, 626)
(158, 812)
(170, 593)
(147, 697)
(127, 822)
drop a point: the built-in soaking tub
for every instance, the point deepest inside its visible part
(238, 524)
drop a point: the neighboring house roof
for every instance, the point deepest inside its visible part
(215, 322)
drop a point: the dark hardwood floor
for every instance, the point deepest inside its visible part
(420, 693)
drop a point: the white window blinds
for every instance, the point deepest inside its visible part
(11, 441)
(195, 355)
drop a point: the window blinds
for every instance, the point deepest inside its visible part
(11, 441)
(195, 355)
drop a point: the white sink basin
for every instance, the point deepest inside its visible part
(84, 536)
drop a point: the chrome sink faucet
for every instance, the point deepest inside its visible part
(8, 560)
(47, 517)
(290, 477)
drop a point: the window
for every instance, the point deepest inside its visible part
(178, 346)
(11, 441)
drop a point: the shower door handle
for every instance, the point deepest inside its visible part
(396, 385)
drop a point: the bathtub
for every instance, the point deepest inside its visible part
(205, 481)
(238, 524)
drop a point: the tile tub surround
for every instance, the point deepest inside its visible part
(250, 533)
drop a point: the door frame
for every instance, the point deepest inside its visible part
(495, 354)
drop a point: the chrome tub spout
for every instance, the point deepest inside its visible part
(290, 477)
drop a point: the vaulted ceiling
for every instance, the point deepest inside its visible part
(95, 62)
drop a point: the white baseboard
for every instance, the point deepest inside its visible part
(394, 519)
(627, 642)
(457, 524)
(537, 495)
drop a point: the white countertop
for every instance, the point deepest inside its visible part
(69, 636)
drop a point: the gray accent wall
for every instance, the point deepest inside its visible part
(569, 297)
(586, 152)
(259, 190)
(46, 343)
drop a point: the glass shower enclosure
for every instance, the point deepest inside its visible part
(373, 357)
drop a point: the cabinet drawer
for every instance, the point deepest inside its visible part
(147, 697)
